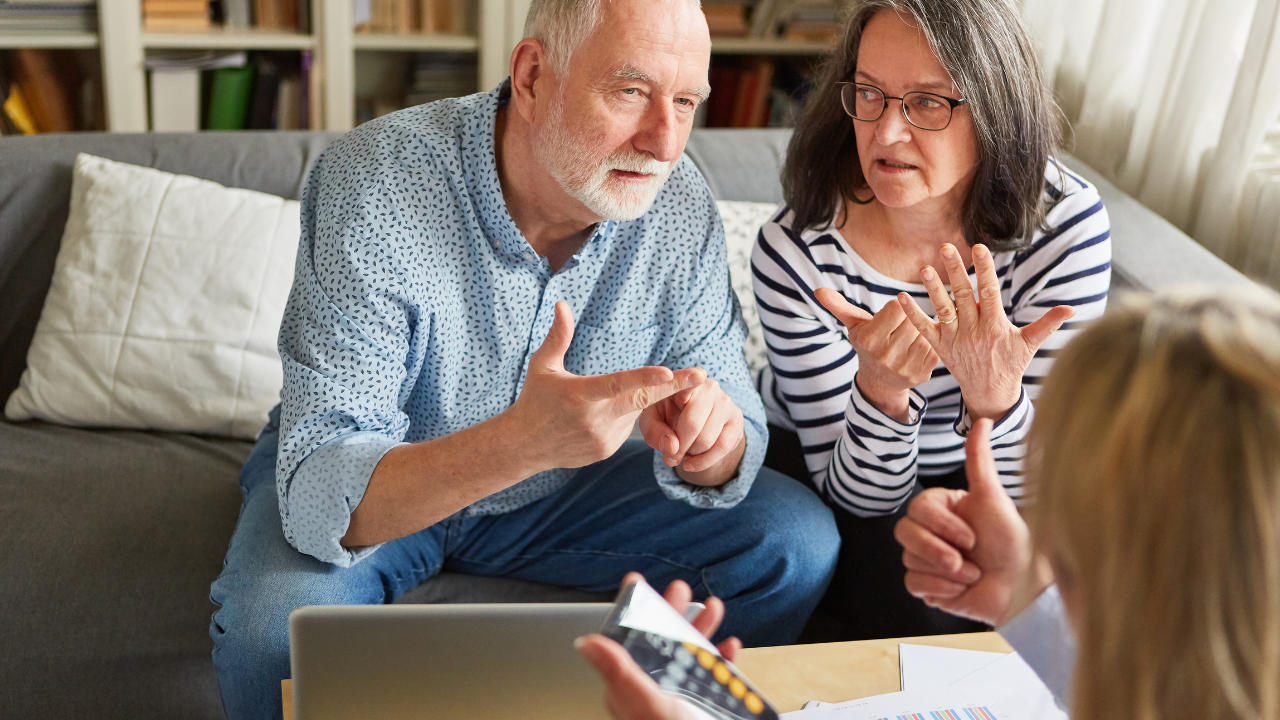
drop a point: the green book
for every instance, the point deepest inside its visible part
(229, 93)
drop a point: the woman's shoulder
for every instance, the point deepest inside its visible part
(1067, 193)
(779, 234)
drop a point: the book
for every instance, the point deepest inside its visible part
(288, 115)
(17, 112)
(237, 14)
(56, 17)
(229, 98)
(175, 100)
(724, 92)
(726, 20)
(175, 15)
(43, 91)
(266, 91)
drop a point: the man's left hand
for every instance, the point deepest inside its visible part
(699, 432)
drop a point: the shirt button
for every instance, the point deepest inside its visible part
(528, 256)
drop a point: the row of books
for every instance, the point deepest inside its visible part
(48, 17)
(231, 91)
(428, 77)
(201, 15)
(789, 19)
(757, 91)
(403, 17)
(45, 91)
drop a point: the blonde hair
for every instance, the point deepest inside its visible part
(1155, 468)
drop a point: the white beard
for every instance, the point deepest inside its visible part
(587, 179)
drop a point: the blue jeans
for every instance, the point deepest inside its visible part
(769, 558)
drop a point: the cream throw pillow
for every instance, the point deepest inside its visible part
(742, 222)
(165, 305)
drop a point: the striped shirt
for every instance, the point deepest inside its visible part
(860, 458)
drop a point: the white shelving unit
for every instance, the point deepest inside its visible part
(66, 41)
(123, 46)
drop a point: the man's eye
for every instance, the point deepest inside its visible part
(685, 101)
(631, 91)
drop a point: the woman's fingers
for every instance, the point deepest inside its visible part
(629, 691)
(927, 328)
(942, 558)
(678, 595)
(729, 649)
(932, 588)
(708, 621)
(961, 290)
(1037, 332)
(846, 312)
(992, 309)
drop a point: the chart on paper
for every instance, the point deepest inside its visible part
(970, 713)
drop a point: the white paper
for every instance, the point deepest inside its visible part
(965, 702)
(649, 612)
(927, 668)
(1005, 687)
(1011, 672)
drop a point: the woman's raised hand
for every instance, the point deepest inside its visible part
(892, 356)
(985, 352)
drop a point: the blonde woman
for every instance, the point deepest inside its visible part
(1154, 473)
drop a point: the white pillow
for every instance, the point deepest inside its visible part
(165, 305)
(742, 222)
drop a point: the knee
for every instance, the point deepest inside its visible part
(794, 527)
(252, 621)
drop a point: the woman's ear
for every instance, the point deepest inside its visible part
(530, 73)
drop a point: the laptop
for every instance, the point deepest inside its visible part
(444, 661)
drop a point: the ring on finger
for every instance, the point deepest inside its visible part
(946, 322)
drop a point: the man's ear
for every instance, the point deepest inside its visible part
(531, 77)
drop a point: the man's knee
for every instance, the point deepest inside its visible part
(792, 527)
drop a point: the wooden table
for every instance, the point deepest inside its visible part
(792, 675)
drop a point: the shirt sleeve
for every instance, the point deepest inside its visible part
(712, 334)
(858, 457)
(1068, 265)
(344, 341)
(1043, 637)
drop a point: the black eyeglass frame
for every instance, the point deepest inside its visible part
(952, 102)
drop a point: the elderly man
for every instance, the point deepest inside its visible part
(442, 408)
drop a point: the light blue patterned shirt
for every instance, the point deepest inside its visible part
(416, 305)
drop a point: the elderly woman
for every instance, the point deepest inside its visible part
(922, 171)
(1156, 478)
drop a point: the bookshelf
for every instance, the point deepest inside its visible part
(122, 46)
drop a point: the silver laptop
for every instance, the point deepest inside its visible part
(444, 661)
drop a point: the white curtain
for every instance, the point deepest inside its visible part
(1173, 101)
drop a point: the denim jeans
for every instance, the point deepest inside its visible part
(770, 558)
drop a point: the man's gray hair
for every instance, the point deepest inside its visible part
(562, 25)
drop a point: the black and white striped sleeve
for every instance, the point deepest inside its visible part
(1070, 265)
(857, 456)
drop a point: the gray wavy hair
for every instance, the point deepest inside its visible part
(987, 50)
(562, 25)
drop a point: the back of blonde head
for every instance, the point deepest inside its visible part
(1155, 468)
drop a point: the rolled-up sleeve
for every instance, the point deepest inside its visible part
(344, 341)
(712, 335)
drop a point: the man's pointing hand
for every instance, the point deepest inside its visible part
(573, 420)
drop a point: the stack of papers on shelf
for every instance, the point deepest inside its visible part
(48, 17)
(951, 685)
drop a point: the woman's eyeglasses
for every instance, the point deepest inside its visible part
(926, 111)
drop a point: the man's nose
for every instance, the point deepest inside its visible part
(660, 132)
(892, 127)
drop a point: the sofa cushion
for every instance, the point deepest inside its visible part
(35, 191)
(742, 222)
(111, 540)
(165, 305)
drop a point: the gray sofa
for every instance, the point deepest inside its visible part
(110, 538)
